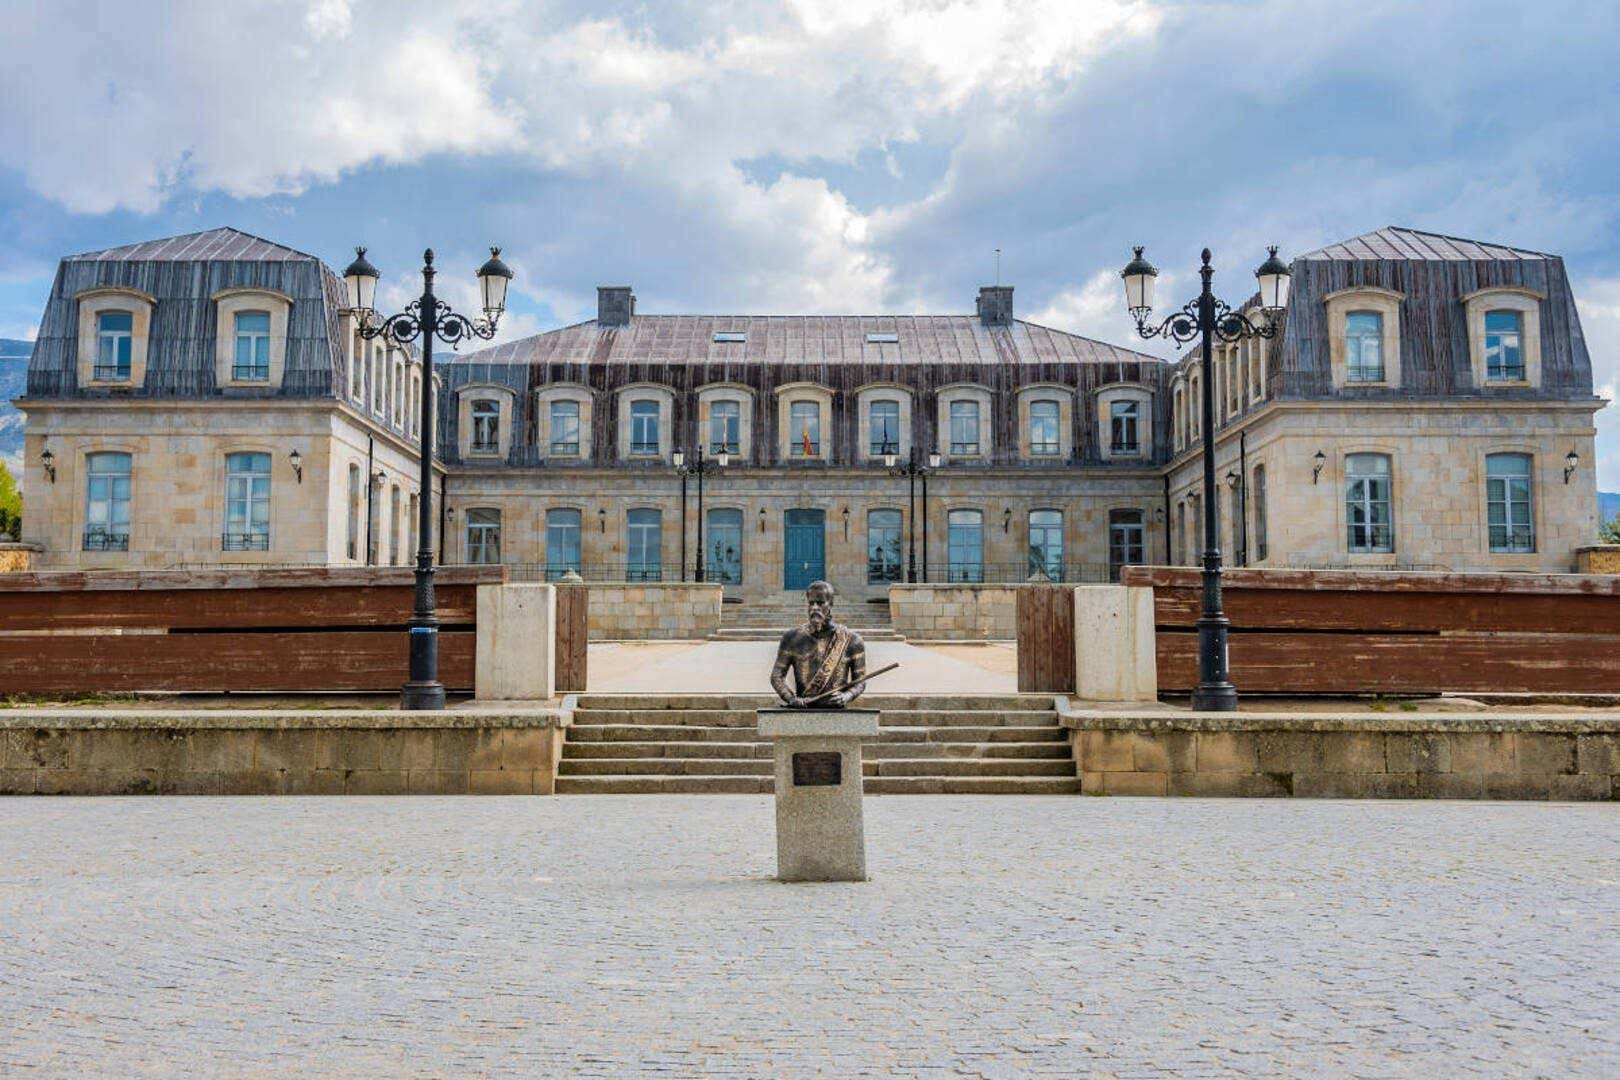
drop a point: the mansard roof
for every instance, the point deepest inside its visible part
(801, 339)
(222, 243)
(1395, 242)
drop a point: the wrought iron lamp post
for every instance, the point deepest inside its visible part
(426, 318)
(698, 468)
(1207, 319)
(911, 470)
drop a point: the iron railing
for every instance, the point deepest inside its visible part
(105, 540)
(245, 541)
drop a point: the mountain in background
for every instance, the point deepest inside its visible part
(1608, 505)
(13, 381)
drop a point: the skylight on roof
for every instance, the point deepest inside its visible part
(882, 339)
(726, 335)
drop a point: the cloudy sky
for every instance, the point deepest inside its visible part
(814, 155)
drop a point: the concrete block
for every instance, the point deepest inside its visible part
(515, 656)
(1114, 653)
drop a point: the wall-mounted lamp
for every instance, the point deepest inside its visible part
(1320, 464)
(846, 522)
(1006, 519)
(1158, 514)
(933, 460)
(762, 519)
(47, 461)
(296, 460)
(601, 520)
(1233, 479)
(1571, 460)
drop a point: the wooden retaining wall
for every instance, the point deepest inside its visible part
(1361, 632)
(317, 629)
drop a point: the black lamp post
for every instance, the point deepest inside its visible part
(1207, 318)
(911, 470)
(426, 318)
(698, 468)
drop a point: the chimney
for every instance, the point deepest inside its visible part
(995, 305)
(615, 304)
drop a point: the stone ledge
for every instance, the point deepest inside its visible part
(1166, 719)
(559, 716)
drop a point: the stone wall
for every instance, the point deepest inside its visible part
(667, 610)
(1598, 559)
(16, 558)
(151, 752)
(955, 612)
(1437, 755)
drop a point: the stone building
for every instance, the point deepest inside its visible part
(205, 399)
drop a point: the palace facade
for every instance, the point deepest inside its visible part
(205, 400)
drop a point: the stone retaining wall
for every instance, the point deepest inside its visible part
(679, 610)
(16, 558)
(152, 752)
(955, 612)
(1598, 559)
(1434, 755)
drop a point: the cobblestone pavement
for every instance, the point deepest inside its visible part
(628, 936)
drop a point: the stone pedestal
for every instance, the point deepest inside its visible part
(820, 835)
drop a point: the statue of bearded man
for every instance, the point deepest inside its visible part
(823, 657)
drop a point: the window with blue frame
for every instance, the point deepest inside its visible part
(1364, 347)
(252, 363)
(114, 344)
(1508, 506)
(1046, 544)
(644, 427)
(106, 502)
(644, 545)
(964, 428)
(565, 429)
(1367, 503)
(562, 542)
(723, 541)
(882, 546)
(1504, 346)
(964, 545)
(247, 502)
(1043, 429)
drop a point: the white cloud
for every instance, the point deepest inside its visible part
(1598, 300)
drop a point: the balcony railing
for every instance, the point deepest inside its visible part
(245, 541)
(105, 540)
(643, 447)
(110, 373)
(250, 373)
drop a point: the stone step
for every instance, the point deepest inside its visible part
(650, 733)
(664, 766)
(671, 785)
(971, 785)
(873, 751)
(889, 718)
(985, 766)
(773, 633)
(875, 701)
(683, 733)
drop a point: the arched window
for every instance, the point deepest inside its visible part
(1367, 509)
(106, 502)
(483, 536)
(1046, 544)
(562, 541)
(644, 545)
(114, 344)
(1127, 540)
(247, 502)
(882, 544)
(1508, 506)
(964, 545)
(723, 547)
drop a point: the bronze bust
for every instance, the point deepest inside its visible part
(828, 660)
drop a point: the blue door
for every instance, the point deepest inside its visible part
(803, 549)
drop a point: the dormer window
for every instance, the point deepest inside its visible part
(730, 336)
(1044, 429)
(486, 427)
(252, 363)
(644, 426)
(1124, 421)
(565, 429)
(1364, 347)
(884, 428)
(964, 428)
(1504, 346)
(804, 429)
(725, 427)
(114, 345)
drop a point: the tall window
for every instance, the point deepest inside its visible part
(1364, 346)
(562, 542)
(884, 428)
(1043, 429)
(1124, 424)
(1508, 507)
(964, 545)
(252, 363)
(964, 427)
(725, 427)
(1259, 513)
(399, 394)
(804, 429)
(247, 502)
(1366, 503)
(486, 427)
(357, 368)
(106, 503)
(723, 542)
(378, 378)
(413, 510)
(1181, 533)
(644, 427)
(114, 342)
(394, 537)
(1504, 354)
(644, 556)
(1127, 540)
(483, 536)
(1046, 544)
(565, 429)
(882, 545)
(354, 512)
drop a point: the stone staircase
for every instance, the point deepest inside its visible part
(766, 620)
(991, 744)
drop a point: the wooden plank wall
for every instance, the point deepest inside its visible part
(1358, 632)
(573, 624)
(228, 630)
(1046, 639)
